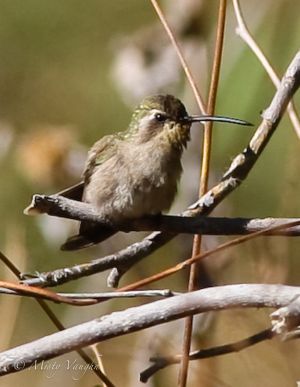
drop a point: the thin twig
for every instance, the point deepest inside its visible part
(10, 265)
(68, 298)
(31, 291)
(243, 31)
(180, 266)
(179, 53)
(98, 356)
(203, 186)
(163, 362)
(131, 294)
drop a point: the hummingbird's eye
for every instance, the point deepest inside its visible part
(160, 117)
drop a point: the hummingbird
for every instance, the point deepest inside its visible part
(134, 173)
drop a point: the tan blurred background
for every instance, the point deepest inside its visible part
(71, 72)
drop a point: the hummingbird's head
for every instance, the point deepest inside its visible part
(161, 115)
(165, 117)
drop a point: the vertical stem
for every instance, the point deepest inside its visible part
(207, 144)
(183, 62)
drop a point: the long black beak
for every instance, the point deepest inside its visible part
(216, 118)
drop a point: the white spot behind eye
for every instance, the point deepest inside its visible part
(149, 121)
(156, 112)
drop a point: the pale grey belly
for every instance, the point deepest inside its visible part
(122, 196)
(144, 200)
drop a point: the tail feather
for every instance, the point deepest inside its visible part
(74, 192)
(76, 242)
(88, 238)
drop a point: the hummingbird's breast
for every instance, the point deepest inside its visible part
(139, 180)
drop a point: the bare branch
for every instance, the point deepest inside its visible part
(195, 258)
(130, 294)
(160, 363)
(32, 291)
(237, 172)
(89, 297)
(254, 227)
(51, 315)
(62, 207)
(141, 317)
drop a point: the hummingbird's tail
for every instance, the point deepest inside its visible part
(88, 238)
(76, 242)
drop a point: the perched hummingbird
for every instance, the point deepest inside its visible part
(132, 174)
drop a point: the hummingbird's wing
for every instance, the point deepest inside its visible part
(100, 152)
(90, 234)
(74, 192)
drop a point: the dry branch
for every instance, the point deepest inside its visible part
(88, 298)
(160, 363)
(197, 258)
(62, 207)
(53, 318)
(251, 227)
(145, 316)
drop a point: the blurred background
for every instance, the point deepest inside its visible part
(71, 72)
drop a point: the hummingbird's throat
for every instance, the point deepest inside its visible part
(179, 135)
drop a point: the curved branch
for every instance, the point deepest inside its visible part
(160, 363)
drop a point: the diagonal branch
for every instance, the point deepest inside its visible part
(160, 363)
(180, 55)
(51, 315)
(235, 175)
